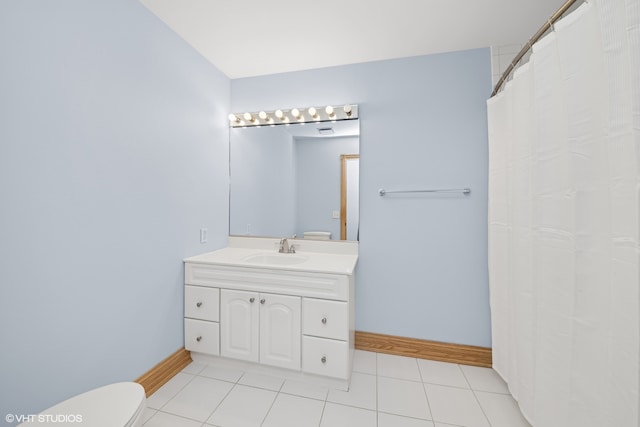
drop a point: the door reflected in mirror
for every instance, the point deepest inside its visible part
(349, 196)
(296, 179)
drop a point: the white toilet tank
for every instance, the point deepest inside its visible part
(114, 405)
(317, 235)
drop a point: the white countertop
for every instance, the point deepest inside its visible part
(240, 255)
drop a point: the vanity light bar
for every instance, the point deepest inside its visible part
(329, 113)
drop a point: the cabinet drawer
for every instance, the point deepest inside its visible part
(325, 357)
(328, 319)
(202, 336)
(202, 303)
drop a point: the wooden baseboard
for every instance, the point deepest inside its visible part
(164, 371)
(389, 344)
(423, 349)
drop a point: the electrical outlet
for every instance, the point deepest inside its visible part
(335, 214)
(203, 235)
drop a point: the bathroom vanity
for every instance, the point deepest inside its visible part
(252, 305)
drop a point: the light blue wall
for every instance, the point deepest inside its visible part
(113, 154)
(318, 179)
(423, 260)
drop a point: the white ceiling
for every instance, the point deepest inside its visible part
(250, 37)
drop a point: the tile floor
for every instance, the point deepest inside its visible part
(386, 391)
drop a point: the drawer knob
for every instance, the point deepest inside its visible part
(251, 300)
(324, 320)
(199, 339)
(262, 301)
(198, 304)
(324, 359)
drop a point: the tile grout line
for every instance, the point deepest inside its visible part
(424, 390)
(377, 389)
(322, 414)
(223, 399)
(464, 376)
(481, 408)
(179, 416)
(176, 393)
(475, 396)
(273, 403)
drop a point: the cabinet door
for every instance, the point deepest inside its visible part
(280, 331)
(239, 320)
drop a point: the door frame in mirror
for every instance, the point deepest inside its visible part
(344, 159)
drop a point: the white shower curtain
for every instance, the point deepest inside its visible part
(564, 215)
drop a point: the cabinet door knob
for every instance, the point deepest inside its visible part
(324, 320)
(199, 339)
(251, 300)
(198, 304)
(262, 301)
(324, 359)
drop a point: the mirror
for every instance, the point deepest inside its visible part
(288, 180)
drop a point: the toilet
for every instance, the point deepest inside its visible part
(317, 235)
(114, 405)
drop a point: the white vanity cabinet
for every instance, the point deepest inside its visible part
(299, 317)
(260, 327)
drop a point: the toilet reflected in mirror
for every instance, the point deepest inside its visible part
(317, 235)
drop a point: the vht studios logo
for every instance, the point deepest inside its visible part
(44, 418)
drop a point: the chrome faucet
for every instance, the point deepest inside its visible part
(285, 248)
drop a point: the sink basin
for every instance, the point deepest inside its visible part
(276, 259)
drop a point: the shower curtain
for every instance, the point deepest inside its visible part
(564, 214)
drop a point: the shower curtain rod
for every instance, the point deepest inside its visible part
(537, 36)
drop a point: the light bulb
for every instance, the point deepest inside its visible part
(313, 113)
(248, 117)
(233, 118)
(347, 110)
(295, 113)
(329, 111)
(262, 115)
(279, 114)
